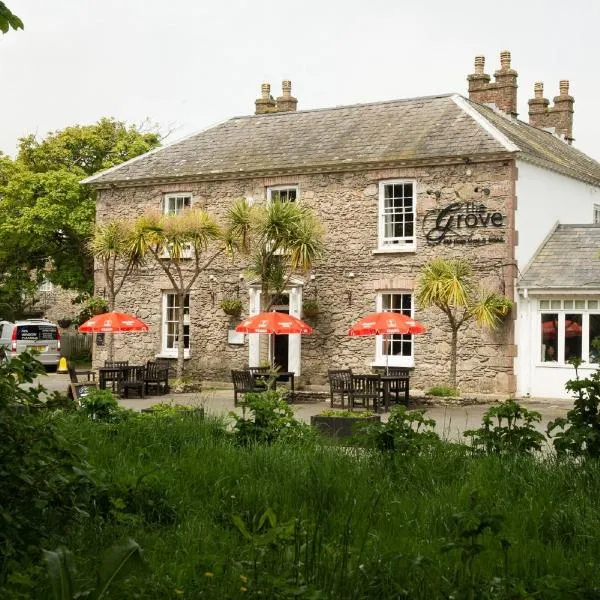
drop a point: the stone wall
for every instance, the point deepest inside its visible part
(347, 204)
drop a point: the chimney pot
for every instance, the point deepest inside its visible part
(538, 89)
(479, 65)
(286, 102)
(264, 104)
(564, 87)
(286, 87)
(505, 60)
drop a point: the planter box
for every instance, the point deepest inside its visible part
(341, 427)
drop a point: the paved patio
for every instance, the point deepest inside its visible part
(451, 421)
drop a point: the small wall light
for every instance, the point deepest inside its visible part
(313, 277)
(241, 277)
(351, 275)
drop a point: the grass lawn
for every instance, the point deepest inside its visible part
(311, 520)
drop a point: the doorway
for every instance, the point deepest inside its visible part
(281, 343)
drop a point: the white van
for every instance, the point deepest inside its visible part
(38, 336)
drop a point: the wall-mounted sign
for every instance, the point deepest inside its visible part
(234, 337)
(463, 223)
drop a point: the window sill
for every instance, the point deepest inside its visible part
(407, 363)
(395, 250)
(186, 355)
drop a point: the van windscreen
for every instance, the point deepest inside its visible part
(36, 333)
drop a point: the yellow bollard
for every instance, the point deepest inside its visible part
(62, 365)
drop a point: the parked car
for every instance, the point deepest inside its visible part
(37, 336)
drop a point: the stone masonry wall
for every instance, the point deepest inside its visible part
(347, 204)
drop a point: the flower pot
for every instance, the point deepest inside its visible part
(341, 427)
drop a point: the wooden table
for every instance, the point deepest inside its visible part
(280, 376)
(112, 374)
(394, 385)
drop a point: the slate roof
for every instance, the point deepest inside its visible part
(567, 259)
(434, 127)
(543, 148)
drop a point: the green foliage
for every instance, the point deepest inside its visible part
(449, 286)
(46, 216)
(8, 20)
(117, 562)
(310, 308)
(578, 433)
(281, 239)
(443, 391)
(470, 527)
(95, 305)
(270, 419)
(406, 432)
(514, 430)
(231, 306)
(363, 414)
(44, 486)
(101, 405)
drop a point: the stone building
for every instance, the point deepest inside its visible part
(395, 183)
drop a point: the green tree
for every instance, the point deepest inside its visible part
(448, 285)
(183, 246)
(46, 215)
(281, 239)
(8, 20)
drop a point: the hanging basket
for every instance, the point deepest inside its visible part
(231, 306)
(310, 309)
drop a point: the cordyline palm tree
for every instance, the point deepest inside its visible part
(184, 246)
(110, 245)
(447, 284)
(281, 238)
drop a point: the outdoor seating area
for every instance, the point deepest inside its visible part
(124, 379)
(373, 391)
(259, 379)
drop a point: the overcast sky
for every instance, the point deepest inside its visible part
(188, 64)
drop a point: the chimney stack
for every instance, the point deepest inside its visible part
(559, 116)
(266, 103)
(286, 102)
(502, 92)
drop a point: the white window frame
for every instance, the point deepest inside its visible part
(279, 188)
(546, 306)
(185, 197)
(165, 349)
(396, 244)
(596, 214)
(391, 360)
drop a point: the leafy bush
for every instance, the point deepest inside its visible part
(579, 434)
(405, 432)
(44, 486)
(100, 404)
(444, 391)
(271, 418)
(517, 435)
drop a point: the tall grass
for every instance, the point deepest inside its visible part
(316, 521)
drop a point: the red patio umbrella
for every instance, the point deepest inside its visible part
(113, 322)
(273, 323)
(277, 323)
(386, 323)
